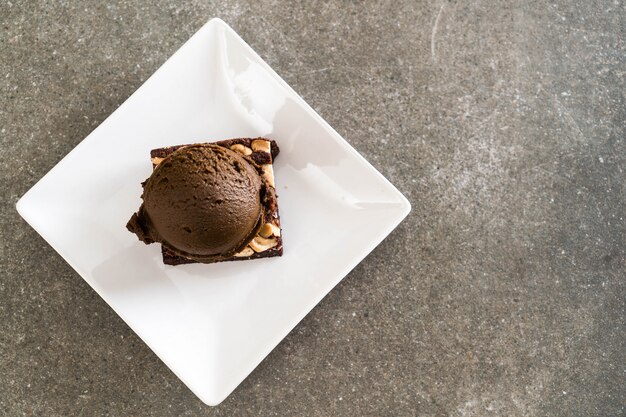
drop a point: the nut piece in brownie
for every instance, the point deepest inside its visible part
(268, 240)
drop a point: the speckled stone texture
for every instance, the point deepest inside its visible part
(503, 292)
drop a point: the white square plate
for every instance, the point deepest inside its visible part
(213, 324)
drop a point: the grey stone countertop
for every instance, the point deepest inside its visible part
(501, 294)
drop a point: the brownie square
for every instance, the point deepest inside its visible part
(262, 151)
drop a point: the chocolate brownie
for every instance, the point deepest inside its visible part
(268, 242)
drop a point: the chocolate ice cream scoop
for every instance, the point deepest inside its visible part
(202, 202)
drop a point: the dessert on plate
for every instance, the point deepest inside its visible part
(211, 202)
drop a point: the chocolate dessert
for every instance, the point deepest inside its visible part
(211, 202)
